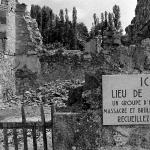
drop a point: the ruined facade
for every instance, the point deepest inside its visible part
(7, 45)
(28, 40)
(139, 28)
(20, 42)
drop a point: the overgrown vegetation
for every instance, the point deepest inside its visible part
(69, 32)
(109, 21)
(59, 28)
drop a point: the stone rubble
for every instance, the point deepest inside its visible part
(34, 33)
(140, 24)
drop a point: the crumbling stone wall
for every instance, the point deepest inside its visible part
(28, 46)
(51, 71)
(86, 131)
(20, 43)
(139, 28)
(8, 36)
(65, 127)
(28, 40)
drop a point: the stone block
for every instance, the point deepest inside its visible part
(64, 131)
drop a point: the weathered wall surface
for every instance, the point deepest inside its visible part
(26, 48)
(22, 34)
(20, 42)
(62, 71)
(91, 46)
(56, 71)
(129, 59)
(64, 131)
(88, 131)
(139, 27)
(8, 36)
(31, 61)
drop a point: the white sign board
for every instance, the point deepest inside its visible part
(126, 99)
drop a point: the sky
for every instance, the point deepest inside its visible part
(86, 8)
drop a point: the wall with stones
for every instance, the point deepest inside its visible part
(86, 131)
(20, 43)
(128, 59)
(62, 71)
(71, 133)
(26, 48)
(55, 71)
(8, 36)
(91, 46)
(65, 126)
(139, 28)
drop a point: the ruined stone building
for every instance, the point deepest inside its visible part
(20, 42)
(139, 28)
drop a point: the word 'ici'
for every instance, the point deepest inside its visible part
(145, 81)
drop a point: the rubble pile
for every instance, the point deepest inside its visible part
(55, 92)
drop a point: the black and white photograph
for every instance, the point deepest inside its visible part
(75, 75)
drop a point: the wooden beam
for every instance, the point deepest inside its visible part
(27, 125)
(44, 129)
(24, 129)
(34, 137)
(52, 120)
(5, 137)
(15, 139)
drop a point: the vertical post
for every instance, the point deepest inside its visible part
(15, 138)
(24, 128)
(5, 137)
(52, 120)
(34, 136)
(43, 128)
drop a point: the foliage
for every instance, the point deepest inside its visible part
(95, 19)
(108, 21)
(53, 46)
(116, 18)
(45, 23)
(36, 13)
(74, 23)
(82, 35)
(58, 28)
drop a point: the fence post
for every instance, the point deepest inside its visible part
(5, 137)
(34, 137)
(24, 128)
(43, 128)
(63, 133)
(15, 138)
(52, 120)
